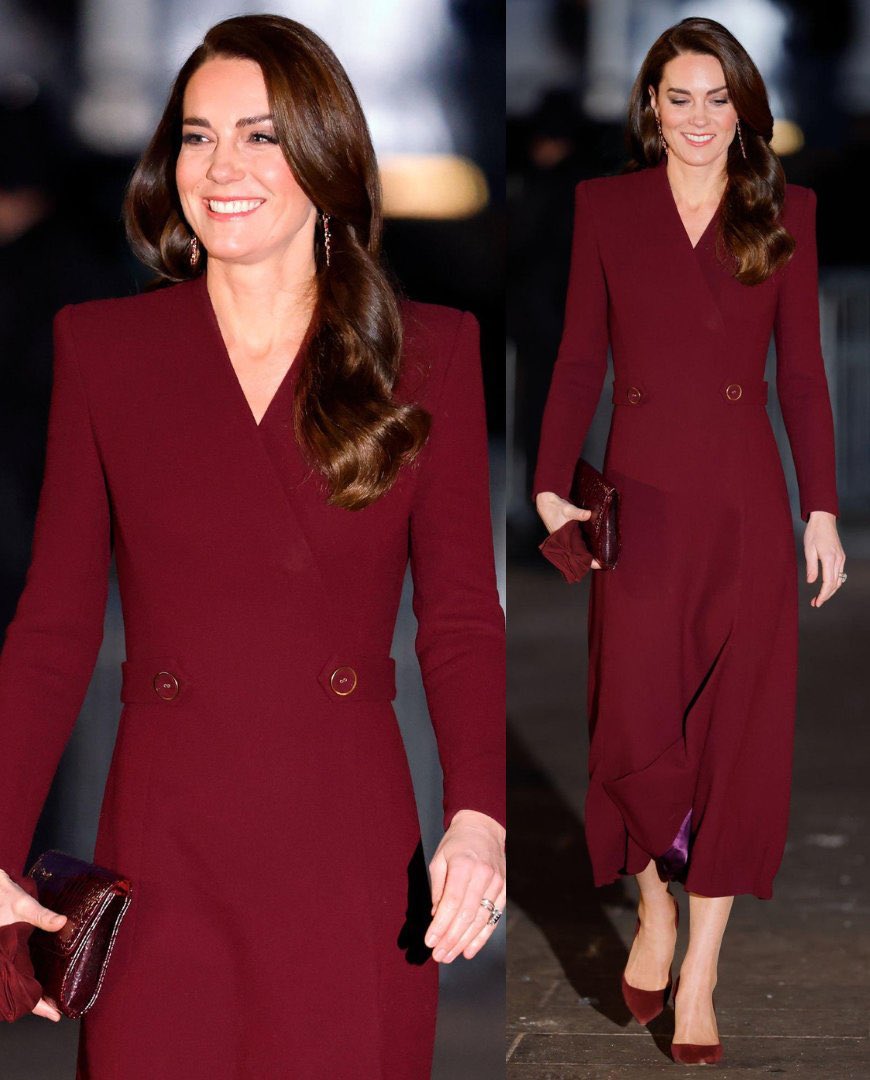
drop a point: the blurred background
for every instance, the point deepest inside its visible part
(82, 85)
(570, 68)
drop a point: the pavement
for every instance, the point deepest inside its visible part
(792, 994)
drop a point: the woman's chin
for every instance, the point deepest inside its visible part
(242, 254)
(701, 156)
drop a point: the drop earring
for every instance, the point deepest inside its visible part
(661, 136)
(327, 236)
(740, 137)
(193, 247)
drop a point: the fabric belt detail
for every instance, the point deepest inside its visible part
(157, 680)
(153, 680)
(348, 677)
(733, 392)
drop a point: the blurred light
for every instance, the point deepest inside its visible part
(399, 55)
(432, 186)
(788, 138)
(620, 32)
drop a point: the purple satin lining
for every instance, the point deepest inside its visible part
(676, 858)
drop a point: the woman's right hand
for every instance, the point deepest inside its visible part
(17, 905)
(556, 512)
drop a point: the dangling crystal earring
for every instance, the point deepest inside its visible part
(661, 136)
(740, 137)
(193, 247)
(327, 236)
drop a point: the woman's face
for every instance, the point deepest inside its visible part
(237, 191)
(694, 107)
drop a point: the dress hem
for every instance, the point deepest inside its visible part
(601, 881)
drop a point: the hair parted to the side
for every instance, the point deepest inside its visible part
(749, 229)
(346, 419)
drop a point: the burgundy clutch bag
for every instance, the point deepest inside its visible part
(573, 546)
(601, 532)
(70, 963)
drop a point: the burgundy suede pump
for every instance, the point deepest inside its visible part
(695, 1053)
(645, 1005)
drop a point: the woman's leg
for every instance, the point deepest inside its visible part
(695, 1021)
(653, 949)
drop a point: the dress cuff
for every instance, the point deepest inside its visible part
(19, 989)
(565, 549)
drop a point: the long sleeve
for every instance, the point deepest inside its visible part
(581, 362)
(800, 372)
(460, 640)
(51, 645)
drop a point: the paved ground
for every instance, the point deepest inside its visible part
(793, 977)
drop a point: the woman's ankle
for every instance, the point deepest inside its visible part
(699, 976)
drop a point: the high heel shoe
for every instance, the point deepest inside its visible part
(695, 1053)
(645, 1005)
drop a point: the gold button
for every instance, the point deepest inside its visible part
(733, 391)
(343, 681)
(634, 395)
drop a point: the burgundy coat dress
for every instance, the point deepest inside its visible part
(693, 636)
(259, 795)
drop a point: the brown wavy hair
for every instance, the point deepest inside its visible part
(346, 419)
(749, 234)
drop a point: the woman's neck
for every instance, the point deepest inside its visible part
(696, 186)
(260, 308)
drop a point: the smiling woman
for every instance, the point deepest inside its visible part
(267, 439)
(230, 167)
(262, 112)
(684, 265)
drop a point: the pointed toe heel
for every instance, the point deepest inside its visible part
(695, 1053)
(646, 1005)
(690, 1054)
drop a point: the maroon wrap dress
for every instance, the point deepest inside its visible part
(259, 795)
(693, 636)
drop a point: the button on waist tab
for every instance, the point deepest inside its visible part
(343, 681)
(734, 391)
(165, 685)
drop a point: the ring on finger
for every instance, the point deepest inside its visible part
(488, 904)
(495, 916)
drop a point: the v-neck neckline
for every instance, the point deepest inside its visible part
(662, 167)
(289, 375)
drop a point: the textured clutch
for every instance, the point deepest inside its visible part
(70, 963)
(572, 547)
(591, 491)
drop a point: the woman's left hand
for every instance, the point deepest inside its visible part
(468, 866)
(822, 545)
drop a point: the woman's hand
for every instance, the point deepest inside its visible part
(16, 905)
(822, 545)
(469, 866)
(555, 512)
